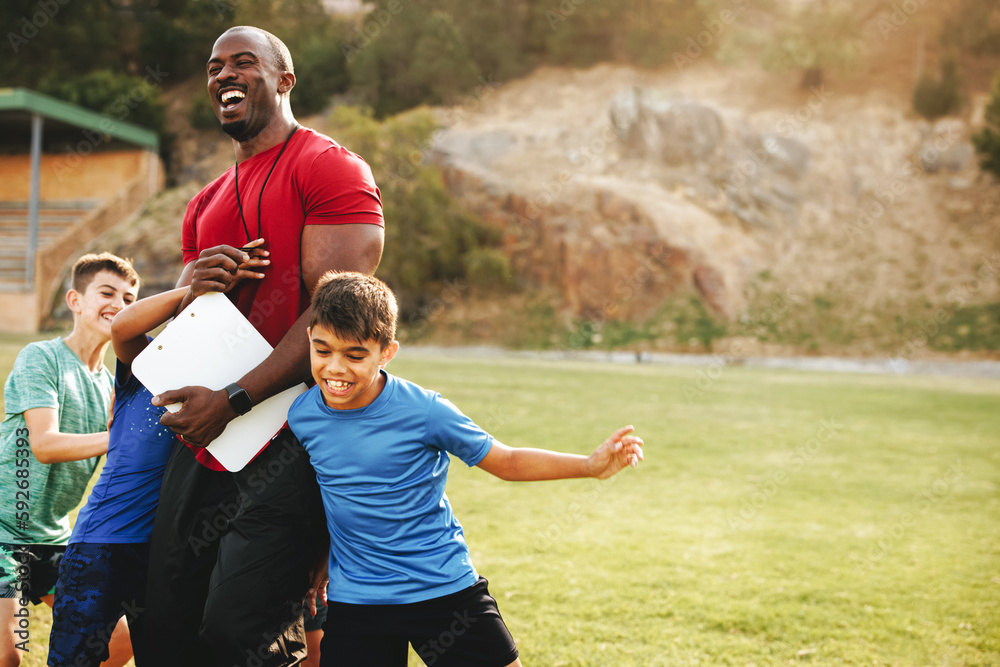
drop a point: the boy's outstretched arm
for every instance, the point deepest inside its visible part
(50, 445)
(129, 328)
(128, 335)
(523, 464)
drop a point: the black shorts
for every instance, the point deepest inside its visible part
(229, 561)
(29, 570)
(312, 623)
(463, 629)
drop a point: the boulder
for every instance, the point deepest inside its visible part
(665, 126)
(945, 147)
(786, 156)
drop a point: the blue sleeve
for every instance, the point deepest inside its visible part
(124, 391)
(449, 429)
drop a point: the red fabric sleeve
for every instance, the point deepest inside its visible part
(355, 199)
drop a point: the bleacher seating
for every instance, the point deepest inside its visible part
(54, 218)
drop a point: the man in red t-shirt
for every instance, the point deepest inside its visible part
(232, 553)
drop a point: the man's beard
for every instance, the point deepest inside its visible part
(240, 130)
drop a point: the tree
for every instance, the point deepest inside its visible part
(817, 38)
(933, 98)
(974, 26)
(416, 56)
(432, 242)
(987, 140)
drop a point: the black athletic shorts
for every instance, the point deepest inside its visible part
(312, 623)
(463, 629)
(29, 570)
(229, 561)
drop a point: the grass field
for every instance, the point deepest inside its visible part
(780, 517)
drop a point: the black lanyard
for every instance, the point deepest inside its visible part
(236, 181)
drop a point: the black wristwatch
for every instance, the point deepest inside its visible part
(239, 399)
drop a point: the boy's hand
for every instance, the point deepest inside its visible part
(618, 452)
(219, 269)
(318, 580)
(111, 410)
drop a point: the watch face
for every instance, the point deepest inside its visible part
(239, 399)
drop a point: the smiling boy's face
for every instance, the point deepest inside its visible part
(347, 371)
(102, 298)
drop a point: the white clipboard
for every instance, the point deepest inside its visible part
(210, 344)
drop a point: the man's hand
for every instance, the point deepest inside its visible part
(618, 452)
(203, 417)
(219, 269)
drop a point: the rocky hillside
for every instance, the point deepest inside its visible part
(832, 218)
(621, 188)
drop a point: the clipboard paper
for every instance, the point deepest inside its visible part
(211, 344)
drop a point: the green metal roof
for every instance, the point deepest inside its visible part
(21, 99)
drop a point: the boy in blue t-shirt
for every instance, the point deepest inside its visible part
(102, 576)
(400, 571)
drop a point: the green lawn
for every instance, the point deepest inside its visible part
(780, 517)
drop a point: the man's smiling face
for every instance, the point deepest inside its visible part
(244, 83)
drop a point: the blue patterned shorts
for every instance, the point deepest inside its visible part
(98, 584)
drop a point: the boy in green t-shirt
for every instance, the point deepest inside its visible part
(57, 400)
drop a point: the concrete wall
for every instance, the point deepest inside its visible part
(123, 181)
(19, 312)
(70, 176)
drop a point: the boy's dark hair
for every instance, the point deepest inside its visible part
(356, 307)
(91, 264)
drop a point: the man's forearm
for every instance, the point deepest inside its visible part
(285, 367)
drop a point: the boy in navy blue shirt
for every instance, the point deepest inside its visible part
(102, 576)
(400, 571)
